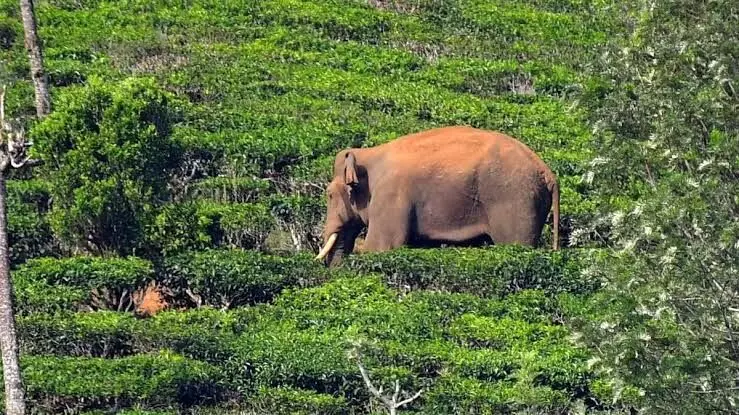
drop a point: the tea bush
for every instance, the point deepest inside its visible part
(180, 227)
(204, 334)
(438, 337)
(454, 345)
(29, 232)
(481, 271)
(99, 334)
(285, 400)
(232, 278)
(237, 225)
(48, 284)
(38, 296)
(89, 272)
(56, 384)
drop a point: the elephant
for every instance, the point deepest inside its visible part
(446, 185)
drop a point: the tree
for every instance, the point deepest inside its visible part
(36, 59)
(13, 150)
(667, 138)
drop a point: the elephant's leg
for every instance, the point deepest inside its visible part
(387, 229)
(514, 223)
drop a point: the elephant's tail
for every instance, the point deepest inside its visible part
(554, 189)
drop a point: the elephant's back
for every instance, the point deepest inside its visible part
(463, 146)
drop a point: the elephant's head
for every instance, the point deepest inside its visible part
(347, 196)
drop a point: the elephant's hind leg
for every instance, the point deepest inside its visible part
(512, 224)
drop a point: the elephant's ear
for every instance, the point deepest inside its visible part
(350, 170)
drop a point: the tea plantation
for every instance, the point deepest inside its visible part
(188, 148)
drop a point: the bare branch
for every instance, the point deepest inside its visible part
(392, 404)
(194, 297)
(13, 150)
(29, 162)
(19, 164)
(371, 387)
(409, 400)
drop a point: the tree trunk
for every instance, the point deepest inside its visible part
(36, 60)
(15, 403)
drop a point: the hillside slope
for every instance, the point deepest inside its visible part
(267, 92)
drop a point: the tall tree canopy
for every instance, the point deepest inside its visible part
(667, 131)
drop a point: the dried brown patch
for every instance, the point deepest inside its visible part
(149, 301)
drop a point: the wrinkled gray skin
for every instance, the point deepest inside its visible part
(451, 185)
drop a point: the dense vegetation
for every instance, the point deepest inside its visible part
(189, 145)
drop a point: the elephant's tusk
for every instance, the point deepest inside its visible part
(328, 246)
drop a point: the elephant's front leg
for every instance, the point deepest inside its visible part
(387, 230)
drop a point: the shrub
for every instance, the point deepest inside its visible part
(514, 346)
(34, 296)
(231, 189)
(29, 232)
(205, 334)
(486, 272)
(429, 335)
(110, 150)
(669, 140)
(504, 333)
(99, 334)
(238, 225)
(301, 217)
(55, 384)
(336, 20)
(106, 283)
(276, 353)
(460, 395)
(231, 278)
(89, 272)
(286, 400)
(181, 227)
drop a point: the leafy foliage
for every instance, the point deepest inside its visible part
(49, 284)
(109, 150)
(483, 271)
(232, 278)
(665, 112)
(29, 232)
(199, 135)
(164, 379)
(514, 348)
(285, 400)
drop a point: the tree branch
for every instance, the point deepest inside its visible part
(371, 387)
(392, 404)
(409, 400)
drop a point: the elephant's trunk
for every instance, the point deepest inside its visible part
(337, 245)
(336, 256)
